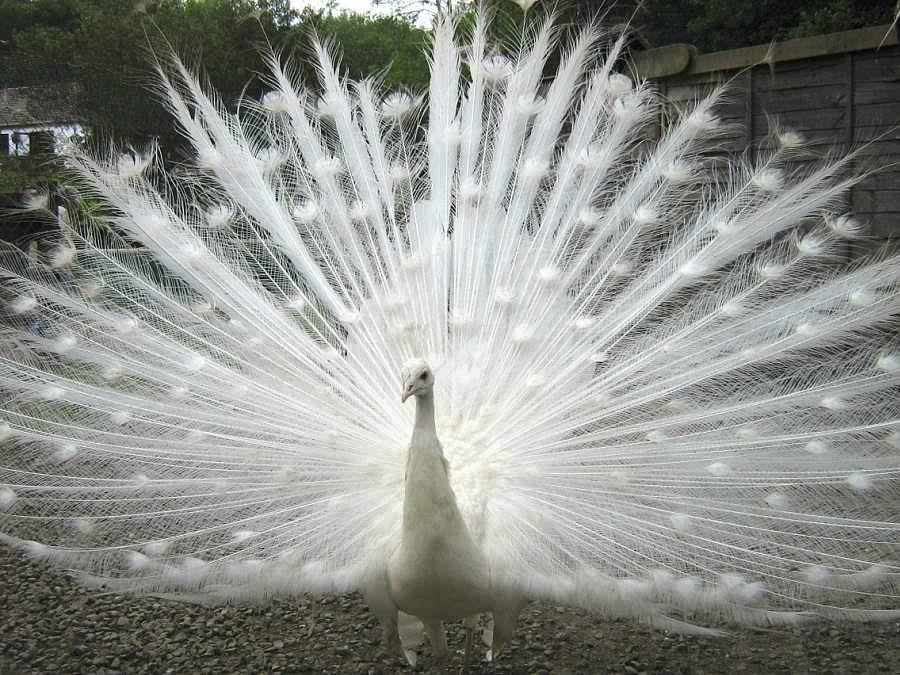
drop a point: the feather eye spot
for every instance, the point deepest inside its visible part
(583, 323)
(816, 574)
(890, 363)
(725, 227)
(860, 481)
(120, 417)
(193, 363)
(682, 522)
(863, 297)
(396, 106)
(61, 256)
(496, 68)
(399, 173)
(694, 269)
(470, 189)
(327, 168)
(817, 447)
(678, 172)
(548, 275)
(124, 325)
(504, 296)
(720, 469)
(833, 403)
(807, 329)
(63, 344)
(645, 215)
(529, 105)
(178, 392)
(771, 271)
(522, 334)
(8, 497)
(306, 212)
(589, 217)
(621, 268)
(328, 106)
(85, 526)
(733, 308)
(702, 119)
(296, 304)
(768, 180)
(535, 168)
(157, 548)
(790, 140)
(243, 536)
(23, 304)
(777, 500)
(276, 102)
(131, 165)
(628, 106)
(844, 226)
(51, 393)
(217, 217)
(64, 452)
(359, 211)
(812, 244)
(619, 84)
(536, 381)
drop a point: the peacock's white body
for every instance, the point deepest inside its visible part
(660, 393)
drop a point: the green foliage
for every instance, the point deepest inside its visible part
(17, 172)
(829, 16)
(107, 48)
(384, 46)
(714, 25)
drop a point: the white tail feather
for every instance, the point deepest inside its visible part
(658, 398)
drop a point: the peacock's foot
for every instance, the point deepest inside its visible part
(412, 657)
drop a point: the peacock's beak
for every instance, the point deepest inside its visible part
(407, 392)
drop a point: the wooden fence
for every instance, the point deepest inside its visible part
(840, 92)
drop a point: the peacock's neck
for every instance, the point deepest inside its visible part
(428, 502)
(424, 426)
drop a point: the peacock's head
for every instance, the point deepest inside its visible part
(418, 379)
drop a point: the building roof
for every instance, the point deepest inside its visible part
(37, 106)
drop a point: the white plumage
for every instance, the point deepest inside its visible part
(659, 392)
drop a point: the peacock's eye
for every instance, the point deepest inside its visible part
(423, 376)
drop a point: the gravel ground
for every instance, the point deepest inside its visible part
(49, 624)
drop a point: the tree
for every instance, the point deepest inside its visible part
(413, 10)
(713, 25)
(387, 47)
(107, 48)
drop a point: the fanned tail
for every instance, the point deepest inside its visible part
(662, 393)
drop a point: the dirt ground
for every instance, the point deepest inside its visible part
(50, 625)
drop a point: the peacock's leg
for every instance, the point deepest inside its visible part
(470, 622)
(378, 598)
(504, 617)
(437, 636)
(391, 634)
